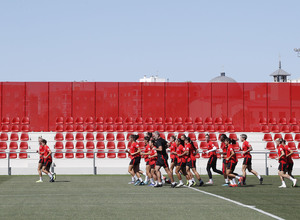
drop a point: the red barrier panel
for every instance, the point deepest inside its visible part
(130, 99)
(107, 99)
(295, 100)
(236, 105)
(219, 100)
(177, 100)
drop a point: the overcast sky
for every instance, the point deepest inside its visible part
(94, 40)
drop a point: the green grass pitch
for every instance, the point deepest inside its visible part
(111, 197)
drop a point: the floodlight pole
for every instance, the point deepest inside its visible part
(297, 50)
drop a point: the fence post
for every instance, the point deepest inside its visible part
(94, 165)
(8, 164)
(266, 164)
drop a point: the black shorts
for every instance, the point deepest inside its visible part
(162, 161)
(174, 160)
(47, 163)
(41, 161)
(231, 166)
(212, 161)
(289, 166)
(282, 167)
(152, 166)
(247, 161)
(135, 161)
(191, 164)
(147, 163)
(224, 166)
(182, 165)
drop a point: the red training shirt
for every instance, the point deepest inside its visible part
(245, 147)
(283, 158)
(233, 159)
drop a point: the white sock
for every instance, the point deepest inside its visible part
(233, 180)
(49, 174)
(132, 179)
(146, 179)
(140, 179)
(193, 179)
(180, 181)
(258, 176)
(210, 180)
(283, 183)
(226, 181)
(152, 181)
(41, 179)
(291, 178)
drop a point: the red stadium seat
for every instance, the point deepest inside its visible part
(110, 128)
(283, 121)
(120, 128)
(90, 145)
(239, 154)
(110, 145)
(25, 121)
(180, 134)
(139, 128)
(99, 128)
(69, 120)
(13, 145)
(130, 128)
(208, 121)
(213, 137)
(99, 120)
(188, 121)
(192, 136)
(210, 128)
(201, 137)
(200, 128)
(69, 137)
(120, 137)
(5, 128)
(79, 121)
(169, 136)
(159, 121)
(233, 136)
(89, 120)
(90, 154)
(219, 121)
(100, 154)
(24, 137)
(293, 121)
(236, 147)
(170, 128)
(295, 129)
(121, 145)
(270, 146)
(100, 137)
(276, 136)
(228, 121)
(13, 154)
(25, 128)
(160, 128)
(221, 129)
(285, 129)
(218, 154)
(180, 128)
(139, 121)
(141, 137)
(148, 121)
(265, 129)
(111, 154)
(198, 121)
(110, 137)
(24, 145)
(59, 128)
(69, 128)
(203, 145)
(128, 135)
(15, 121)
(297, 137)
(58, 145)
(178, 121)
(79, 128)
(128, 145)
(14, 137)
(273, 154)
(3, 145)
(230, 129)
(58, 154)
(288, 137)
(2, 154)
(150, 128)
(169, 121)
(69, 145)
(100, 145)
(3, 137)
(129, 121)
(79, 145)
(79, 137)
(292, 145)
(89, 137)
(295, 155)
(263, 121)
(89, 128)
(190, 128)
(58, 137)
(69, 154)
(60, 120)
(119, 121)
(79, 154)
(273, 121)
(15, 128)
(268, 137)
(121, 155)
(23, 154)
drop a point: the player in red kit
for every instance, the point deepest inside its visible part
(47, 160)
(290, 163)
(40, 151)
(146, 157)
(247, 164)
(181, 161)
(152, 162)
(172, 150)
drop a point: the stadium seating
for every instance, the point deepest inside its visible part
(188, 121)
(69, 121)
(149, 121)
(14, 137)
(79, 154)
(13, 145)
(100, 154)
(59, 145)
(2, 154)
(292, 145)
(219, 121)
(198, 121)
(69, 128)
(89, 120)
(228, 121)
(110, 145)
(267, 137)
(5, 128)
(89, 128)
(69, 137)
(273, 154)
(79, 137)
(69, 145)
(99, 128)
(192, 136)
(139, 121)
(100, 145)
(79, 121)
(178, 121)
(90, 145)
(111, 154)
(99, 120)
(119, 121)
(110, 137)
(3, 145)
(288, 137)
(293, 121)
(159, 121)
(129, 121)
(4, 137)
(79, 145)
(270, 146)
(169, 121)
(90, 154)
(59, 120)
(25, 128)
(13, 154)
(15, 128)
(25, 137)
(79, 128)
(24, 145)
(23, 154)
(297, 137)
(25, 121)
(69, 154)
(121, 145)
(120, 137)
(89, 137)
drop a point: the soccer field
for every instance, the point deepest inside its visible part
(111, 197)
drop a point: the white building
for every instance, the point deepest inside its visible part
(152, 79)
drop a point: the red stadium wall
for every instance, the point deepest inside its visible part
(250, 106)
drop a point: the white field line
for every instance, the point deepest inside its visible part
(237, 203)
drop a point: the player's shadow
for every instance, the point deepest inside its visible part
(62, 181)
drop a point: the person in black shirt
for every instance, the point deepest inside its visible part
(162, 159)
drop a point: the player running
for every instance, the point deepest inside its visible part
(47, 160)
(282, 164)
(247, 164)
(40, 151)
(162, 159)
(212, 162)
(290, 163)
(181, 161)
(172, 150)
(152, 162)
(146, 158)
(223, 147)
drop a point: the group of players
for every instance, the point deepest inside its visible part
(45, 161)
(183, 160)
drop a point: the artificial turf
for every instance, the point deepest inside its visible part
(111, 197)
